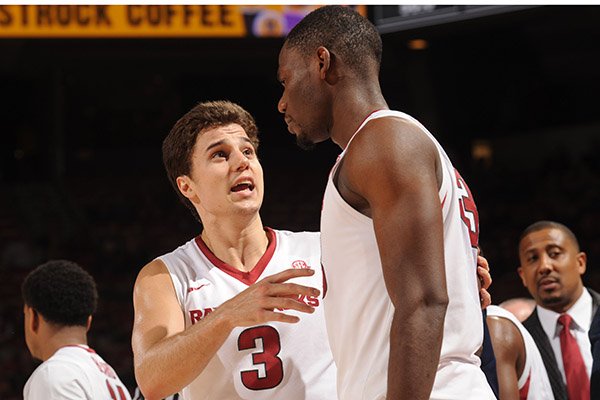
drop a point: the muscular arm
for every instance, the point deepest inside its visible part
(167, 357)
(509, 349)
(393, 167)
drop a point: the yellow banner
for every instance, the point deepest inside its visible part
(168, 20)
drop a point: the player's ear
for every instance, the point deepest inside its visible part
(184, 184)
(34, 320)
(581, 262)
(325, 58)
(88, 323)
(522, 275)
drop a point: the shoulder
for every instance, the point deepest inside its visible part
(389, 153)
(299, 242)
(298, 236)
(154, 280)
(506, 336)
(58, 377)
(393, 136)
(153, 269)
(595, 296)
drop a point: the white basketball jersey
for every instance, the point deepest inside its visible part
(534, 383)
(75, 372)
(359, 311)
(271, 361)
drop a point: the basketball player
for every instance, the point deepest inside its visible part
(521, 371)
(234, 313)
(60, 298)
(399, 227)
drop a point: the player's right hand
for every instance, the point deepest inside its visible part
(262, 301)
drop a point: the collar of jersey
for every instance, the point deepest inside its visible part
(251, 276)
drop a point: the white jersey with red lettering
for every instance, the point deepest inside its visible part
(272, 361)
(75, 372)
(534, 383)
(358, 309)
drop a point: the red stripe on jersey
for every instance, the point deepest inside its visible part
(324, 280)
(444, 199)
(245, 277)
(524, 391)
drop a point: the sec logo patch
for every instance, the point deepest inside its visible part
(300, 264)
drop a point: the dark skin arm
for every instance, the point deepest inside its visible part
(509, 349)
(391, 174)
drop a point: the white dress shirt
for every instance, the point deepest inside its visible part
(581, 312)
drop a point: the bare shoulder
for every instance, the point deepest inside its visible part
(394, 141)
(153, 268)
(504, 332)
(157, 313)
(154, 276)
(390, 150)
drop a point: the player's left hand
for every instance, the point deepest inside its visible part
(485, 280)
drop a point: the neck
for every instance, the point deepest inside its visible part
(238, 245)
(354, 106)
(55, 338)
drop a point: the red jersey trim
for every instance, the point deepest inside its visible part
(251, 276)
(360, 126)
(524, 391)
(324, 281)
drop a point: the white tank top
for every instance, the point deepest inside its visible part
(534, 383)
(271, 361)
(359, 311)
(75, 372)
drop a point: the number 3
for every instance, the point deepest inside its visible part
(268, 357)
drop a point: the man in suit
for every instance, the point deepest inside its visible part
(551, 267)
(595, 340)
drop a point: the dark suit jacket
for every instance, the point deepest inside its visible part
(534, 327)
(595, 341)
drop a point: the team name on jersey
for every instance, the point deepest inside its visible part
(105, 368)
(199, 314)
(308, 300)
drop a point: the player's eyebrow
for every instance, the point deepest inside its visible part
(222, 141)
(215, 144)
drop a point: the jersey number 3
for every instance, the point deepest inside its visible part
(468, 210)
(273, 366)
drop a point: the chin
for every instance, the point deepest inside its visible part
(304, 142)
(551, 300)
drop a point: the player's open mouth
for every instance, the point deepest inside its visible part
(243, 186)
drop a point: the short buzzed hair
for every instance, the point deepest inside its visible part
(344, 32)
(62, 292)
(540, 225)
(178, 146)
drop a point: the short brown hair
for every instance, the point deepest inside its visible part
(178, 146)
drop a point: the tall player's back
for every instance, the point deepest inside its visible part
(463, 324)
